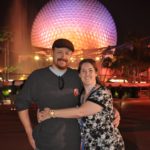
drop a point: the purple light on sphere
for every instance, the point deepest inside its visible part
(87, 23)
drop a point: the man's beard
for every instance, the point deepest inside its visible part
(62, 67)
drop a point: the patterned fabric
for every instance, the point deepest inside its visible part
(98, 130)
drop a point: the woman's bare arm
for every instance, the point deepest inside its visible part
(86, 109)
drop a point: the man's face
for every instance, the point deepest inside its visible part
(61, 57)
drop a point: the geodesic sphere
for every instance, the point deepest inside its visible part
(87, 23)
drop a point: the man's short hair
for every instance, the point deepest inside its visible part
(63, 43)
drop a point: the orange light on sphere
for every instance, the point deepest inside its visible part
(87, 23)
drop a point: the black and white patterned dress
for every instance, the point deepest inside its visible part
(98, 131)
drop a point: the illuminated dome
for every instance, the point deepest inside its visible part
(87, 23)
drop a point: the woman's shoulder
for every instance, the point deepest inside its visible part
(101, 92)
(101, 89)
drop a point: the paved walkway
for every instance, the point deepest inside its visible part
(135, 123)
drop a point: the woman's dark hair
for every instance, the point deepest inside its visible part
(93, 63)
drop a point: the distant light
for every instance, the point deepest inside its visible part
(116, 94)
(118, 80)
(6, 92)
(143, 82)
(22, 77)
(10, 80)
(36, 57)
(72, 59)
(50, 58)
(9, 90)
(97, 58)
(12, 109)
(7, 102)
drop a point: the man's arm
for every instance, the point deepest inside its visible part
(116, 121)
(25, 119)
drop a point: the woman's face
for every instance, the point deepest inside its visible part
(88, 74)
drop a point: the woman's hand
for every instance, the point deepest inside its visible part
(43, 115)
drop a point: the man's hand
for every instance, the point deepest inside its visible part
(31, 141)
(116, 121)
(43, 115)
(25, 119)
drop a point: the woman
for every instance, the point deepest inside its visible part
(96, 111)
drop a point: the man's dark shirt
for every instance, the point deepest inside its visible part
(43, 88)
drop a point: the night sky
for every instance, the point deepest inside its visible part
(132, 17)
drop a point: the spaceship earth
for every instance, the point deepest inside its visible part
(87, 23)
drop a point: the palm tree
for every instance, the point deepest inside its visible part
(132, 59)
(5, 39)
(129, 59)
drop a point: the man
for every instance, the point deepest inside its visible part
(57, 86)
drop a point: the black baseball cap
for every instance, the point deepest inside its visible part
(63, 43)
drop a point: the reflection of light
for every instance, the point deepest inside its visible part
(36, 57)
(81, 58)
(118, 80)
